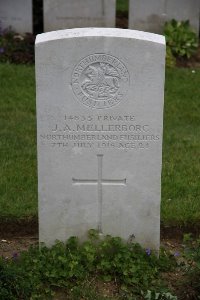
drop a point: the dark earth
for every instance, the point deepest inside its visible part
(19, 235)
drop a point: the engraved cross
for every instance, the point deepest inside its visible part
(99, 182)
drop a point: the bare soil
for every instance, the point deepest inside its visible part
(11, 245)
(17, 236)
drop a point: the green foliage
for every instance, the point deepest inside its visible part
(12, 284)
(67, 265)
(152, 295)
(181, 39)
(122, 5)
(16, 48)
(192, 255)
(170, 59)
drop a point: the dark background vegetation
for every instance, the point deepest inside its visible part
(37, 16)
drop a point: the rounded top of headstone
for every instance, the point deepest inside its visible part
(100, 32)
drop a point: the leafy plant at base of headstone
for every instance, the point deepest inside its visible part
(68, 265)
(192, 267)
(12, 283)
(180, 38)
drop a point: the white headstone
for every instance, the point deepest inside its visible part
(62, 14)
(99, 117)
(17, 15)
(150, 15)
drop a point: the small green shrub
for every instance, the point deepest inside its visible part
(170, 59)
(180, 38)
(15, 48)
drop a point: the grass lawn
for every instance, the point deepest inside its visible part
(18, 178)
(181, 160)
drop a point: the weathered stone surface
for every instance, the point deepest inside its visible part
(62, 14)
(16, 14)
(99, 118)
(150, 15)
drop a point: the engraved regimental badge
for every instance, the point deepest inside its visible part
(100, 81)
